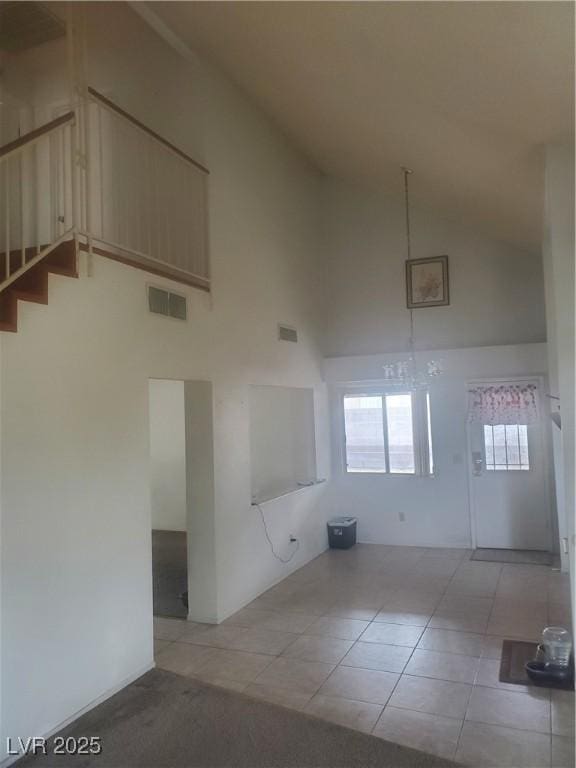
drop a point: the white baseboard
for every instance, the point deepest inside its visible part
(201, 619)
(94, 703)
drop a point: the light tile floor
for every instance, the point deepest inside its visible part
(400, 642)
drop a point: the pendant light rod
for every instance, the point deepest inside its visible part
(407, 173)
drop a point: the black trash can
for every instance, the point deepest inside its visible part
(342, 532)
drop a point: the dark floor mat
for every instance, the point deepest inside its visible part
(513, 556)
(515, 654)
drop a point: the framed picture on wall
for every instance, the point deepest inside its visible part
(427, 282)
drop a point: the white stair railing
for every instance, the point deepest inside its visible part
(37, 196)
(146, 199)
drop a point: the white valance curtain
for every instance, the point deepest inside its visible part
(503, 404)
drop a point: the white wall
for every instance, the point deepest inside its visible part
(167, 455)
(496, 289)
(200, 501)
(436, 509)
(282, 448)
(75, 537)
(559, 276)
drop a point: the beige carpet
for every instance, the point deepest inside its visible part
(164, 720)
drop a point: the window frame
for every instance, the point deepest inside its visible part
(422, 440)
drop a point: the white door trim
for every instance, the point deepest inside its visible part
(539, 381)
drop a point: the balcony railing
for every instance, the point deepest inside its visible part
(146, 199)
(99, 175)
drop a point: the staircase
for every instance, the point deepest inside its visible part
(32, 285)
(79, 182)
(37, 222)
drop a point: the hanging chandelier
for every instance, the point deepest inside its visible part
(410, 373)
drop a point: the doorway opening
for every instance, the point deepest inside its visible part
(168, 498)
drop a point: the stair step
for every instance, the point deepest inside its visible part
(8, 312)
(33, 284)
(62, 260)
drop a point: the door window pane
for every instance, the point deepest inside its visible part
(364, 425)
(512, 446)
(499, 435)
(506, 447)
(400, 433)
(489, 446)
(523, 438)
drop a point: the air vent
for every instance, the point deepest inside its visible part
(25, 25)
(177, 306)
(285, 333)
(166, 303)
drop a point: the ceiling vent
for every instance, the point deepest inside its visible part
(285, 333)
(25, 25)
(162, 302)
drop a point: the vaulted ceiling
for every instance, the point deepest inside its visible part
(465, 93)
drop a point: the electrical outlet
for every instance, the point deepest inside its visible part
(401, 517)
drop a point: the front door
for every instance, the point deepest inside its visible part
(508, 487)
